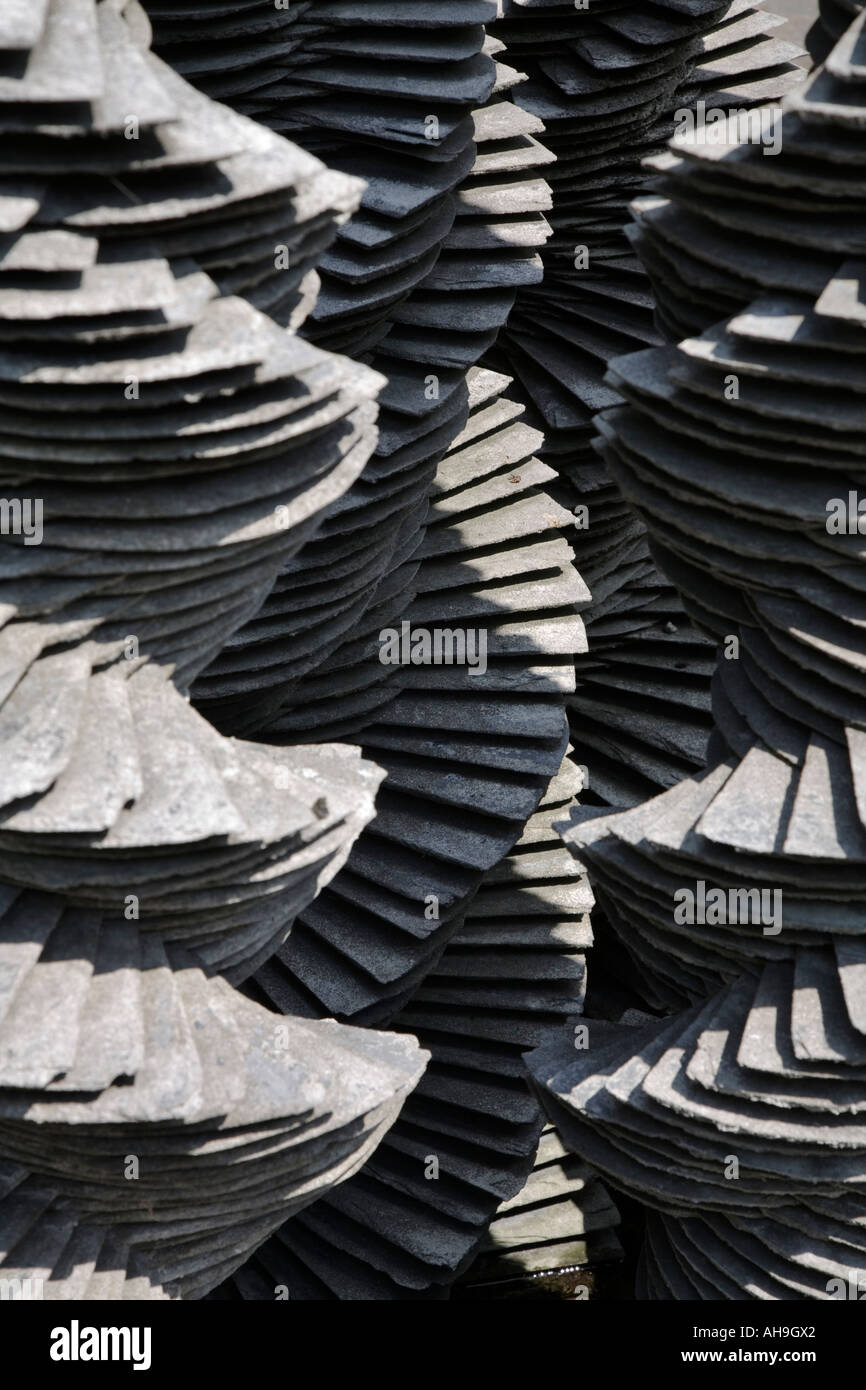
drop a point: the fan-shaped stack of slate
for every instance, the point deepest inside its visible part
(166, 374)
(527, 929)
(439, 332)
(164, 449)
(288, 672)
(514, 971)
(354, 84)
(468, 745)
(641, 714)
(742, 449)
(740, 1130)
(511, 976)
(216, 1125)
(174, 445)
(607, 82)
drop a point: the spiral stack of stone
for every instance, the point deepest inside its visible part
(396, 1235)
(610, 83)
(468, 759)
(739, 893)
(165, 447)
(386, 92)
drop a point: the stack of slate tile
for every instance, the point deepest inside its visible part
(217, 1124)
(468, 748)
(437, 334)
(353, 82)
(301, 668)
(512, 976)
(739, 893)
(740, 1130)
(528, 928)
(386, 92)
(164, 448)
(514, 971)
(173, 444)
(607, 81)
(641, 715)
